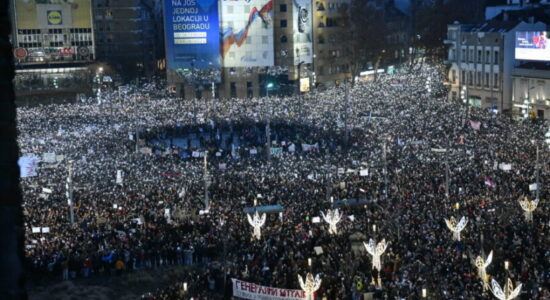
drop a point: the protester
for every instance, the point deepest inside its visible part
(152, 215)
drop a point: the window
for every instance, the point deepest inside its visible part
(463, 80)
(282, 8)
(283, 39)
(488, 57)
(495, 82)
(249, 90)
(471, 57)
(333, 53)
(470, 77)
(463, 58)
(321, 39)
(479, 56)
(453, 76)
(233, 90)
(283, 23)
(496, 58)
(331, 22)
(479, 78)
(487, 79)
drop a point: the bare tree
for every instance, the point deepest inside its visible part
(11, 216)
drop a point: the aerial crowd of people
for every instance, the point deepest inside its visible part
(393, 155)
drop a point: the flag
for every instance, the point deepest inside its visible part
(475, 124)
(461, 140)
(489, 182)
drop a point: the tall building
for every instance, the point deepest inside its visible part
(53, 47)
(266, 47)
(129, 36)
(482, 61)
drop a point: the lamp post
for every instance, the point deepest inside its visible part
(69, 186)
(267, 87)
(206, 182)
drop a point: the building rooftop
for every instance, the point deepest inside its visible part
(495, 26)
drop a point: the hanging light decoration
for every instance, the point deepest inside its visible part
(509, 292)
(528, 207)
(332, 218)
(311, 285)
(481, 266)
(257, 222)
(456, 228)
(376, 251)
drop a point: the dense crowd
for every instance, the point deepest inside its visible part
(153, 215)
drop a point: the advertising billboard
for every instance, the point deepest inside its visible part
(302, 36)
(192, 34)
(532, 45)
(247, 27)
(53, 14)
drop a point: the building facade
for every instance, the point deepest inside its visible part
(129, 36)
(482, 61)
(53, 47)
(303, 56)
(531, 90)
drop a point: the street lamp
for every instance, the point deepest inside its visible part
(269, 85)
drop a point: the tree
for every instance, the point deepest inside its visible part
(11, 216)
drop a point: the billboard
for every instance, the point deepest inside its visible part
(53, 14)
(532, 45)
(247, 27)
(192, 34)
(302, 36)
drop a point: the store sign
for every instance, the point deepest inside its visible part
(54, 17)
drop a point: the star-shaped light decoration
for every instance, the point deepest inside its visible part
(311, 285)
(456, 228)
(528, 207)
(481, 266)
(509, 292)
(257, 222)
(332, 218)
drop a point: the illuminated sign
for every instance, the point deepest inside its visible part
(54, 17)
(247, 27)
(532, 45)
(192, 34)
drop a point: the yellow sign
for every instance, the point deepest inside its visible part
(54, 17)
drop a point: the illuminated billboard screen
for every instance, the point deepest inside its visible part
(532, 45)
(192, 34)
(302, 36)
(53, 31)
(247, 27)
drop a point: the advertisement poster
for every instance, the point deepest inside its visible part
(302, 36)
(247, 27)
(42, 14)
(532, 45)
(192, 34)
